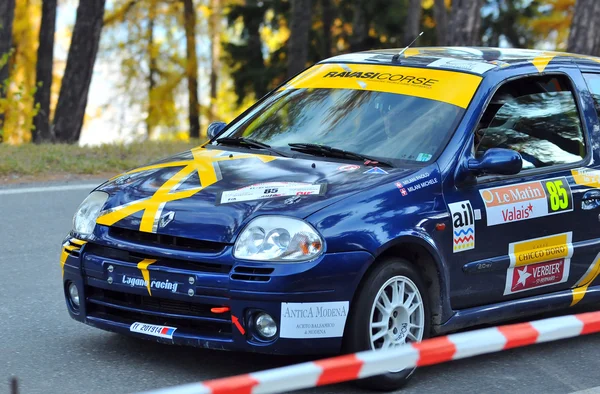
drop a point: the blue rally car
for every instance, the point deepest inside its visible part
(373, 200)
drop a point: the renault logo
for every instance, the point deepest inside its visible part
(166, 219)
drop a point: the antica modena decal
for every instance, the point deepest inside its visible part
(528, 200)
(463, 226)
(313, 319)
(538, 262)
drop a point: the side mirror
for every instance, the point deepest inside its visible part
(215, 128)
(497, 161)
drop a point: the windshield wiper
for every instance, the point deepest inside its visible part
(329, 151)
(249, 143)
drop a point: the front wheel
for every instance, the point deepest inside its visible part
(390, 310)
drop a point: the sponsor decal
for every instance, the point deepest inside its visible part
(262, 191)
(538, 262)
(463, 65)
(527, 200)
(423, 157)
(586, 177)
(313, 319)
(349, 167)
(153, 330)
(132, 281)
(463, 226)
(404, 79)
(426, 83)
(375, 170)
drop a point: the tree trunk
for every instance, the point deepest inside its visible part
(413, 21)
(43, 72)
(152, 71)
(298, 42)
(440, 14)
(72, 100)
(215, 54)
(360, 27)
(466, 23)
(327, 16)
(189, 14)
(7, 14)
(584, 38)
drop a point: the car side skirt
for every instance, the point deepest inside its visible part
(516, 309)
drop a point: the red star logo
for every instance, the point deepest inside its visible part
(530, 207)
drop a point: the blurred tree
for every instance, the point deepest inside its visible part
(440, 14)
(7, 14)
(191, 67)
(18, 104)
(70, 109)
(215, 55)
(45, 58)
(360, 26)
(153, 109)
(300, 21)
(245, 52)
(551, 26)
(465, 23)
(327, 18)
(509, 20)
(413, 21)
(584, 36)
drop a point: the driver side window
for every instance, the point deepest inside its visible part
(537, 117)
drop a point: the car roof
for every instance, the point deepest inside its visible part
(477, 60)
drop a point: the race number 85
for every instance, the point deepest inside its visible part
(559, 195)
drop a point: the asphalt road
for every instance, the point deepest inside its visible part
(50, 353)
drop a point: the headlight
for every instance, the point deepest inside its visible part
(278, 238)
(89, 210)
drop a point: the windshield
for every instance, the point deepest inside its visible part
(408, 115)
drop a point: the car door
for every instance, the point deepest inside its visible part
(524, 235)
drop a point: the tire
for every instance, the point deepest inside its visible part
(359, 333)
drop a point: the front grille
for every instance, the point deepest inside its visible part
(166, 241)
(196, 317)
(253, 274)
(131, 257)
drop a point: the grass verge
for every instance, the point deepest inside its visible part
(37, 162)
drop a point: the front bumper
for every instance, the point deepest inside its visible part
(120, 284)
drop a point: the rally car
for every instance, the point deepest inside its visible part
(375, 199)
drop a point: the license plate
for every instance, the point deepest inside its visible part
(153, 330)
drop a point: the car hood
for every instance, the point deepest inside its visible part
(209, 194)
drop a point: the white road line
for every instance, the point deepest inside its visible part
(24, 190)
(593, 390)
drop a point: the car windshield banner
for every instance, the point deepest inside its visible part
(446, 86)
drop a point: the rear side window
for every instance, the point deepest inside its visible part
(537, 117)
(593, 82)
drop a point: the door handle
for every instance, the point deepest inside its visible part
(590, 199)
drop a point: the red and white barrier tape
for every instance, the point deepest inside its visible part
(369, 363)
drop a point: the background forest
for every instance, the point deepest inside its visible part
(131, 70)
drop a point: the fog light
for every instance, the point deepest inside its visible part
(74, 294)
(265, 325)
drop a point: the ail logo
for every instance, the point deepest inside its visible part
(463, 226)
